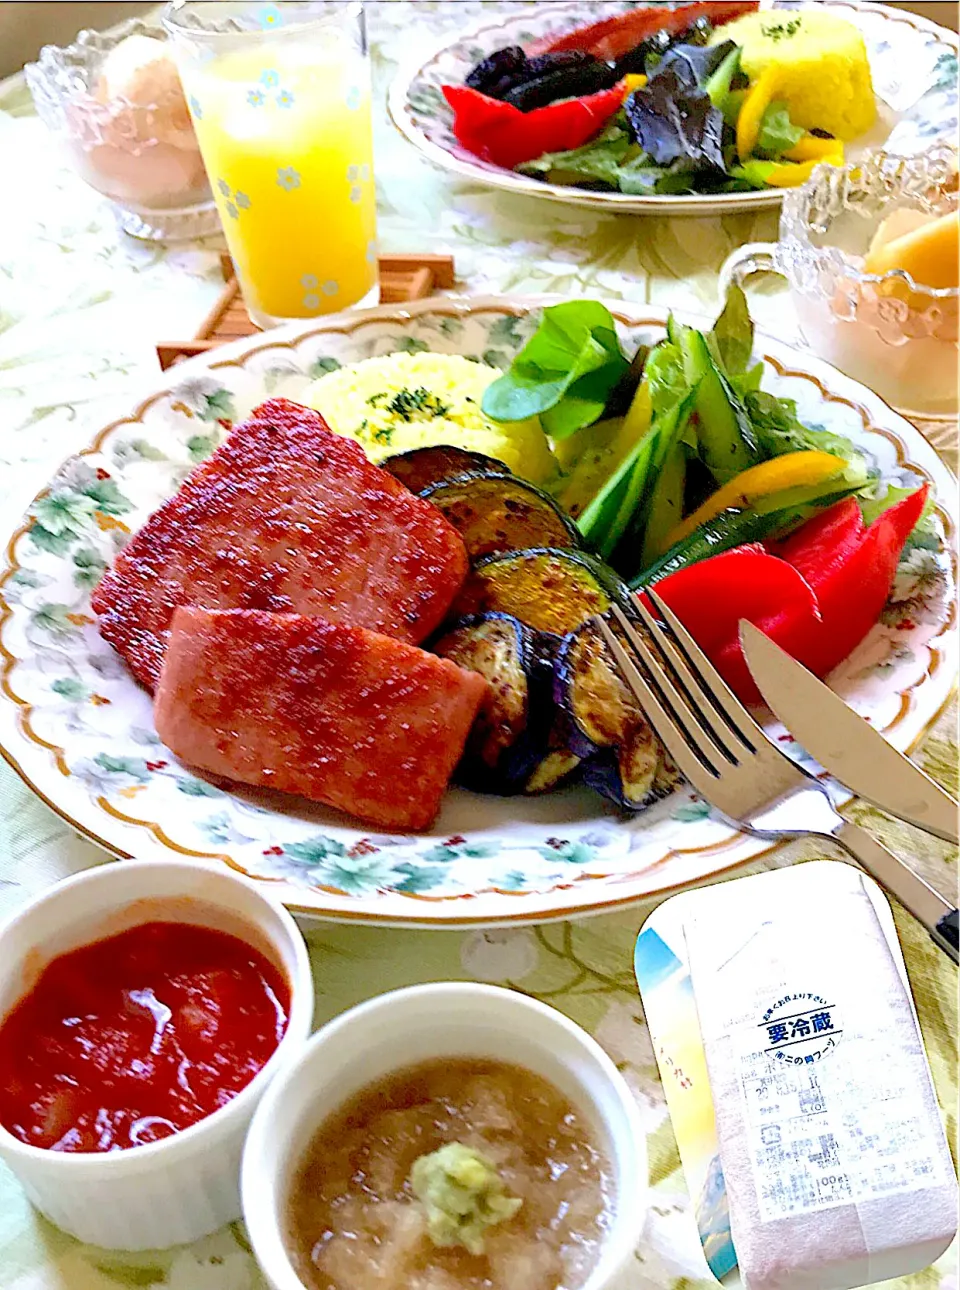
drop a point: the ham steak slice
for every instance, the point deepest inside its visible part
(286, 516)
(345, 716)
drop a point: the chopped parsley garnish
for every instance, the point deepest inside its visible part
(405, 404)
(383, 435)
(782, 30)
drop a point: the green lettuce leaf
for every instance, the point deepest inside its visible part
(565, 372)
(777, 134)
(874, 504)
(733, 334)
(599, 160)
(779, 429)
(718, 87)
(752, 173)
(665, 376)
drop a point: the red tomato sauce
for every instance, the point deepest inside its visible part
(137, 1036)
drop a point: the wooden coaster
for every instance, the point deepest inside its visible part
(402, 277)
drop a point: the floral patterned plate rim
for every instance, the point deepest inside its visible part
(80, 731)
(914, 65)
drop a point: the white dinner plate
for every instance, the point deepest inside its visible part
(81, 733)
(913, 63)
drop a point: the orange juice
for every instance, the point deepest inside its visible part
(284, 128)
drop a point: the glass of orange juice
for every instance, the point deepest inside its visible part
(280, 100)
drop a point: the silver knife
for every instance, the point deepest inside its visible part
(843, 743)
(863, 761)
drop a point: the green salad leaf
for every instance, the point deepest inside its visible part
(601, 159)
(665, 376)
(733, 334)
(779, 428)
(747, 382)
(874, 504)
(753, 173)
(565, 372)
(777, 134)
(719, 87)
(615, 160)
(873, 507)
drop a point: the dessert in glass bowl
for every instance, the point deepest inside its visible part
(116, 101)
(870, 253)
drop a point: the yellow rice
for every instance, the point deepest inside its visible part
(401, 401)
(824, 72)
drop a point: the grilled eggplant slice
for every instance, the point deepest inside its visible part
(509, 734)
(503, 68)
(549, 589)
(572, 80)
(558, 762)
(422, 468)
(498, 513)
(607, 725)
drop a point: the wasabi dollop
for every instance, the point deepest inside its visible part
(463, 1196)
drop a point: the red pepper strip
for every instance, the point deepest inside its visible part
(614, 37)
(823, 542)
(853, 590)
(850, 570)
(818, 596)
(502, 134)
(711, 597)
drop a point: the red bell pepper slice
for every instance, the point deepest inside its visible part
(502, 134)
(823, 542)
(711, 597)
(838, 582)
(611, 38)
(853, 589)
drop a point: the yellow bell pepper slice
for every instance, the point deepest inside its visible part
(759, 97)
(792, 470)
(810, 148)
(632, 81)
(792, 174)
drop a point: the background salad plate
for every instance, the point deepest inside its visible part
(913, 63)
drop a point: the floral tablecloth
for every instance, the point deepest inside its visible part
(81, 307)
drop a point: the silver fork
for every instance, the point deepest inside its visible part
(727, 758)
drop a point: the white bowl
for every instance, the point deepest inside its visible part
(185, 1186)
(418, 1024)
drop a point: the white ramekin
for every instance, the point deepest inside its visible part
(424, 1022)
(185, 1186)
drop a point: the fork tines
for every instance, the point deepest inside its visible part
(694, 712)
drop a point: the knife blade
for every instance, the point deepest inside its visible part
(927, 904)
(843, 743)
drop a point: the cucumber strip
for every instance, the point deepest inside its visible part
(736, 528)
(598, 517)
(729, 529)
(666, 503)
(728, 444)
(667, 432)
